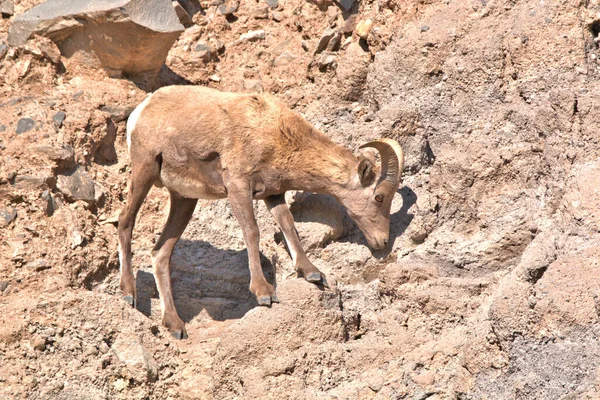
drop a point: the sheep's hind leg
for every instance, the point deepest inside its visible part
(180, 213)
(285, 220)
(143, 175)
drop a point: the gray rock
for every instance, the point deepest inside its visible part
(2, 128)
(334, 43)
(117, 113)
(25, 125)
(228, 8)
(76, 185)
(182, 14)
(7, 8)
(192, 7)
(3, 286)
(326, 61)
(204, 51)
(58, 118)
(3, 50)
(64, 156)
(324, 40)
(128, 37)
(50, 206)
(140, 363)
(347, 4)
(272, 3)
(7, 215)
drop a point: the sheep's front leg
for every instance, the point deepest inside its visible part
(285, 220)
(240, 197)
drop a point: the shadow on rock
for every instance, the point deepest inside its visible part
(207, 282)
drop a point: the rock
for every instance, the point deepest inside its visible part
(76, 185)
(424, 28)
(103, 347)
(215, 78)
(272, 3)
(49, 203)
(320, 219)
(334, 43)
(3, 50)
(128, 37)
(31, 182)
(64, 157)
(59, 118)
(253, 85)
(182, 14)
(2, 128)
(349, 25)
(140, 363)
(39, 265)
(347, 4)
(324, 40)
(363, 28)
(44, 49)
(117, 113)
(228, 8)
(261, 12)
(284, 58)
(252, 36)
(277, 16)
(25, 125)
(39, 343)
(424, 379)
(218, 45)
(203, 50)
(7, 8)
(3, 286)
(192, 7)
(7, 215)
(326, 61)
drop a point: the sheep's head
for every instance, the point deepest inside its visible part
(372, 189)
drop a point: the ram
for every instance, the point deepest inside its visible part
(201, 143)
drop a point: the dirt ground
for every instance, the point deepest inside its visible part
(489, 289)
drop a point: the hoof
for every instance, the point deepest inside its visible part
(264, 301)
(274, 298)
(179, 335)
(314, 277)
(129, 299)
(324, 282)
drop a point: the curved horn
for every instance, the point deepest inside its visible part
(392, 158)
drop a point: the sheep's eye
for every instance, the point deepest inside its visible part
(379, 198)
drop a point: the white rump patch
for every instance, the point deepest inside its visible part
(133, 119)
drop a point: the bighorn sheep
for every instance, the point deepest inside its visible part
(200, 143)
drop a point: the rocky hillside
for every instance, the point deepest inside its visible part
(489, 289)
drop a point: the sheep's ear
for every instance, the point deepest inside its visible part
(365, 172)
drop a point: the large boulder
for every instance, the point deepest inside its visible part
(129, 37)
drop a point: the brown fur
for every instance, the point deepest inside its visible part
(202, 143)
